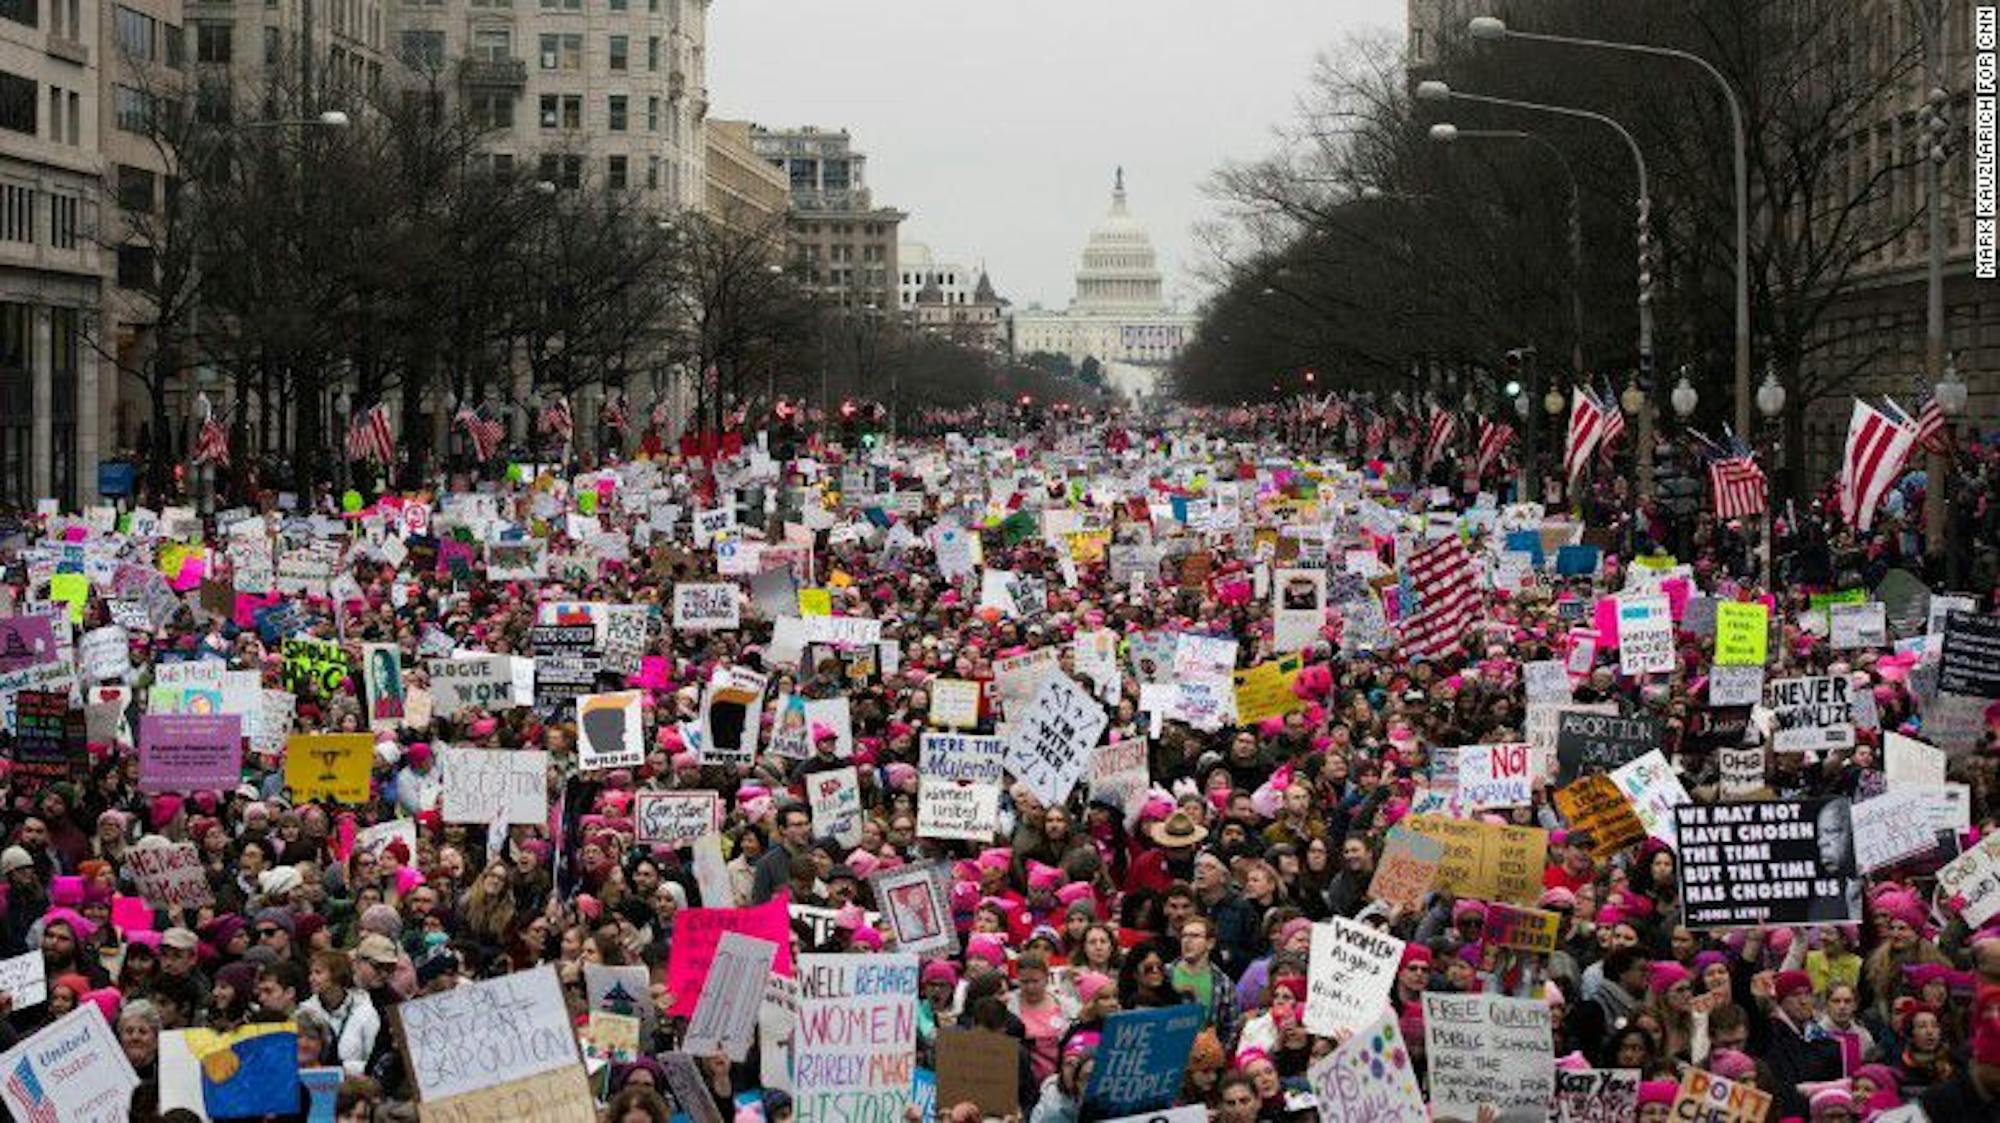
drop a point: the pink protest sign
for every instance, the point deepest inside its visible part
(698, 931)
(1605, 622)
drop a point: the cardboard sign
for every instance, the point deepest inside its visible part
(494, 785)
(835, 795)
(1594, 805)
(1597, 1095)
(24, 979)
(706, 608)
(698, 933)
(1742, 634)
(725, 1015)
(1909, 762)
(674, 818)
(1494, 776)
(1645, 635)
(957, 810)
(1486, 1050)
(1811, 714)
(1709, 1098)
(979, 1066)
(954, 704)
(486, 682)
(731, 713)
(1050, 745)
(329, 766)
(1971, 882)
(1742, 770)
(190, 752)
(1143, 1056)
(1408, 866)
(73, 1071)
(1298, 607)
(1485, 861)
(169, 875)
(1780, 862)
(1371, 1076)
(1649, 782)
(855, 1045)
(1527, 929)
(917, 907)
(1892, 827)
(1735, 686)
(609, 731)
(1589, 744)
(482, 1035)
(1349, 972)
(1858, 625)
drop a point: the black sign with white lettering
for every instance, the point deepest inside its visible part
(1782, 862)
(1971, 662)
(1591, 743)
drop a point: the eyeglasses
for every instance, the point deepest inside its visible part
(267, 933)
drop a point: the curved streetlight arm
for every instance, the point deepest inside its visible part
(1638, 156)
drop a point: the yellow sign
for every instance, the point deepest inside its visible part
(73, 588)
(815, 602)
(1742, 634)
(1086, 547)
(329, 766)
(1265, 690)
(1487, 862)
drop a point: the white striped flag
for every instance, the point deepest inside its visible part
(1878, 442)
(484, 433)
(616, 415)
(1494, 437)
(1378, 432)
(1614, 425)
(370, 438)
(1442, 426)
(1932, 433)
(211, 446)
(1738, 485)
(1586, 427)
(659, 413)
(1447, 588)
(556, 418)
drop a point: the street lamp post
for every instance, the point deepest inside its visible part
(1770, 403)
(1446, 133)
(1440, 92)
(1494, 28)
(1938, 124)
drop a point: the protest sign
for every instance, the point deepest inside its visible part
(1119, 774)
(1298, 607)
(382, 674)
(917, 907)
(705, 608)
(1742, 771)
(1645, 635)
(835, 795)
(1709, 1098)
(1141, 1059)
(1811, 714)
(855, 1045)
(1265, 690)
(73, 1071)
(730, 714)
(1487, 861)
(1649, 782)
(1203, 657)
(494, 785)
(843, 631)
(1404, 873)
(1348, 975)
(725, 1014)
(24, 979)
(698, 933)
(105, 653)
(980, 1066)
(674, 818)
(791, 728)
(1050, 744)
(329, 766)
(48, 740)
(524, 559)
(1779, 862)
(1858, 625)
(1527, 929)
(1016, 677)
(1370, 1077)
(1486, 1050)
(609, 732)
(954, 703)
(169, 875)
(480, 681)
(1971, 882)
(1598, 743)
(190, 752)
(1970, 664)
(1596, 1095)
(313, 665)
(1908, 761)
(482, 1035)
(958, 756)
(962, 810)
(1595, 807)
(1735, 686)
(1742, 634)
(1890, 828)
(1494, 776)
(1546, 680)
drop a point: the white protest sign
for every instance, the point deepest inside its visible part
(1371, 1076)
(855, 1044)
(487, 682)
(1735, 684)
(1015, 677)
(73, 1071)
(1909, 762)
(481, 1035)
(488, 785)
(1645, 635)
(608, 731)
(24, 979)
(1858, 625)
(674, 818)
(106, 654)
(1742, 770)
(1494, 776)
(708, 524)
(706, 608)
(1051, 744)
(843, 631)
(1811, 714)
(725, 1016)
(169, 875)
(1891, 827)
(954, 703)
(1204, 657)
(961, 756)
(1546, 680)
(948, 809)
(1486, 1050)
(836, 804)
(1971, 881)
(1649, 782)
(1348, 975)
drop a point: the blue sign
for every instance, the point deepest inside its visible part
(1578, 561)
(1528, 542)
(116, 477)
(1141, 1059)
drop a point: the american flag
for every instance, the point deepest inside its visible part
(659, 414)
(1494, 437)
(1614, 425)
(1738, 485)
(616, 414)
(1586, 428)
(1378, 432)
(1442, 426)
(556, 418)
(370, 438)
(26, 1088)
(1933, 435)
(1878, 442)
(484, 433)
(211, 445)
(1447, 590)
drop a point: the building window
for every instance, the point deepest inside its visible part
(17, 213)
(135, 267)
(494, 44)
(564, 171)
(653, 52)
(65, 334)
(652, 173)
(27, 12)
(17, 397)
(135, 189)
(563, 5)
(136, 33)
(652, 115)
(133, 108)
(214, 42)
(562, 111)
(615, 105)
(17, 103)
(62, 221)
(562, 52)
(619, 5)
(620, 51)
(493, 111)
(614, 172)
(213, 104)
(422, 49)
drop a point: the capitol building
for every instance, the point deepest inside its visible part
(1118, 317)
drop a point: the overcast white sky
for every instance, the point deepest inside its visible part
(997, 123)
